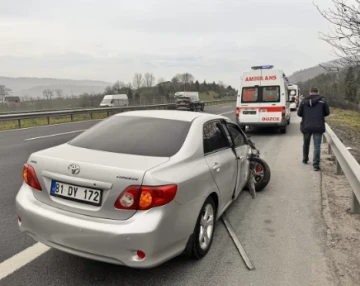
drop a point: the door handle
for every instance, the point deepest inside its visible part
(216, 167)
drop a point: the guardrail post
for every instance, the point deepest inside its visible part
(324, 139)
(48, 120)
(355, 205)
(19, 123)
(91, 115)
(108, 113)
(329, 149)
(71, 117)
(338, 168)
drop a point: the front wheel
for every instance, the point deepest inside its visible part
(261, 171)
(204, 230)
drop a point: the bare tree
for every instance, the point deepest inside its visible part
(138, 81)
(4, 91)
(108, 90)
(160, 80)
(345, 38)
(149, 79)
(186, 78)
(48, 93)
(118, 87)
(59, 93)
(221, 84)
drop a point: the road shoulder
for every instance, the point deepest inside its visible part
(343, 233)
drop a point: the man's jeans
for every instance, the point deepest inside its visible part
(306, 147)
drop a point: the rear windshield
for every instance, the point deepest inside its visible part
(260, 94)
(135, 135)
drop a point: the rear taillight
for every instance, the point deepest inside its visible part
(30, 177)
(145, 197)
(237, 112)
(283, 111)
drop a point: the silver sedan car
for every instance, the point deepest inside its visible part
(137, 189)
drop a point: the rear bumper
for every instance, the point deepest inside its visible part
(155, 232)
(183, 106)
(282, 123)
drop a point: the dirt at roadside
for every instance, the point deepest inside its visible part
(343, 227)
(349, 138)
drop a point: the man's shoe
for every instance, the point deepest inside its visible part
(304, 161)
(316, 168)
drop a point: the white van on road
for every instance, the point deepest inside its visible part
(114, 100)
(263, 99)
(294, 92)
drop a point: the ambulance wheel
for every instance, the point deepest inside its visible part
(283, 130)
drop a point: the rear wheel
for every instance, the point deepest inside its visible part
(283, 129)
(204, 230)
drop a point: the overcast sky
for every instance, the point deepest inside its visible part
(112, 39)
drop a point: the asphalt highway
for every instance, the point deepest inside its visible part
(282, 230)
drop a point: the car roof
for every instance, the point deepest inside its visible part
(171, 114)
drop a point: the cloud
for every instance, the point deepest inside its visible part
(111, 39)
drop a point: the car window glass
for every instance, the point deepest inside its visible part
(226, 131)
(214, 138)
(136, 135)
(238, 138)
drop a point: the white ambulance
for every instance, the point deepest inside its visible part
(263, 99)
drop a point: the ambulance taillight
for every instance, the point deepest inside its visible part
(237, 112)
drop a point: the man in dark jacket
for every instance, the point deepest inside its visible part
(313, 110)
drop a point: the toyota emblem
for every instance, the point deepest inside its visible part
(74, 169)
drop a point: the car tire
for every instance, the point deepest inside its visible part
(266, 174)
(283, 130)
(201, 244)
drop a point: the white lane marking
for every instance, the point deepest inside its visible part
(232, 111)
(53, 135)
(22, 258)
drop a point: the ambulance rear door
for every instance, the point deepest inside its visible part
(249, 97)
(272, 99)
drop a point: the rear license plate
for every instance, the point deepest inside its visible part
(76, 193)
(249, 112)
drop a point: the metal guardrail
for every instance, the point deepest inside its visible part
(109, 111)
(345, 164)
(42, 110)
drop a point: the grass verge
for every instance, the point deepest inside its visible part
(7, 125)
(344, 118)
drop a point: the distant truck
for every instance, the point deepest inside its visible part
(189, 100)
(115, 100)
